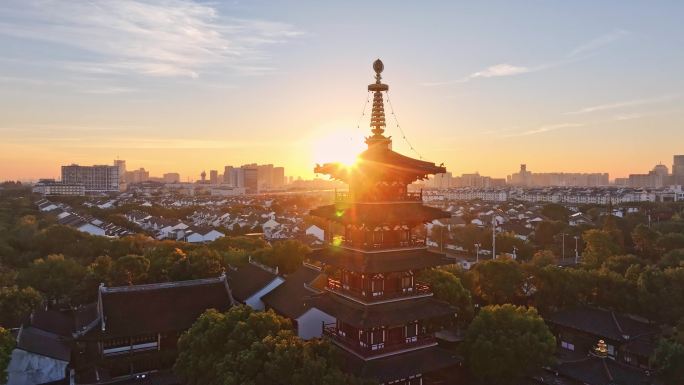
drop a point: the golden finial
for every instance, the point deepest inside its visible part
(378, 113)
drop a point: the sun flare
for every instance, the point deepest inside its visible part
(338, 147)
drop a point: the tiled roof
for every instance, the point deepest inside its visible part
(379, 262)
(382, 314)
(288, 299)
(246, 280)
(172, 306)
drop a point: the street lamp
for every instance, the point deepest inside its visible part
(477, 252)
(563, 251)
(576, 250)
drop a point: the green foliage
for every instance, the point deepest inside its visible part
(54, 276)
(674, 258)
(556, 212)
(238, 243)
(16, 304)
(671, 241)
(620, 263)
(243, 346)
(129, 270)
(543, 258)
(599, 245)
(447, 287)
(668, 357)
(286, 255)
(546, 233)
(498, 281)
(6, 347)
(505, 343)
(644, 240)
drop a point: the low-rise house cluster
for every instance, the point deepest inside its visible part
(68, 217)
(564, 195)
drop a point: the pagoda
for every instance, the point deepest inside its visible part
(385, 319)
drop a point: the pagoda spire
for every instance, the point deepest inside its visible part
(377, 121)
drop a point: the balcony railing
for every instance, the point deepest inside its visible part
(384, 347)
(345, 196)
(413, 242)
(418, 289)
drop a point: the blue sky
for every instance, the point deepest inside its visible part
(188, 85)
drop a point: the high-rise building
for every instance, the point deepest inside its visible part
(171, 177)
(265, 176)
(381, 315)
(250, 178)
(213, 177)
(121, 164)
(678, 169)
(566, 179)
(278, 177)
(97, 178)
(229, 176)
(137, 176)
(656, 178)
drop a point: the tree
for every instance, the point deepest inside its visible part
(16, 304)
(55, 276)
(620, 263)
(498, 281)
(447, 287)
(254, 347)
(599, 245)
(286, 255)
(556, 212)
(671, 241)
(6, 347)
(644, 240)
(546, 232)
(504, 343)
(129, 270)
(668, 357)
(674, 258)
(543, 258)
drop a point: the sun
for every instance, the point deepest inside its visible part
(338, 147)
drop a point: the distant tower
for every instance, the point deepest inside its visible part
(204, 176)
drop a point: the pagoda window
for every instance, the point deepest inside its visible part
(407, 282)
(377, 285)
(377, 339)
(411, 332)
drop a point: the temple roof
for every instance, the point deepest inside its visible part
(248, 279)
(382, 161)
(602, 323)
(602, 371)
(289, 297)
(381, 314)
(379, 262)
(379, 214)
(401, 365)
(155, 308)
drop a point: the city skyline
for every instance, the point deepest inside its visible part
(208, 84)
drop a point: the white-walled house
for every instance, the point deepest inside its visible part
(289, 300)
(249, 283)
(316, 232)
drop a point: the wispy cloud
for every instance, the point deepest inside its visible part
(545, 128)
(498, 70)
(505, 69)
(622, 104)
(150, 37)
(594, 44)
